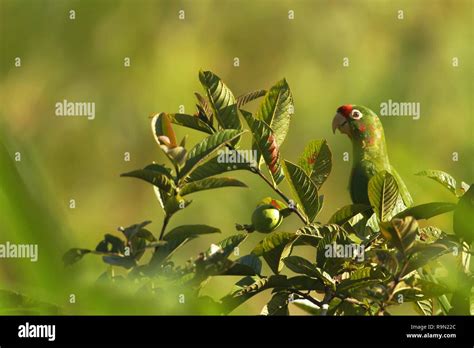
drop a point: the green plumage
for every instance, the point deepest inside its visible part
(369, 154)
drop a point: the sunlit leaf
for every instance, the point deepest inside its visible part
(266, 145)
(347, 212)
(248, 97)
(383, 195)
(276, 110)
(304, 189)
(155, 175)
(228, 245)
(214, 167)
(424, 254)
(427, 210)
(441, 177)
(190, 121)
(204, 149)
(189, 231)
(302, 266)
(246, 265)
(316, 161)
(210, 183)
(221, 99)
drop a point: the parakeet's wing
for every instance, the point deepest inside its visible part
(360, 176)
(402, 188)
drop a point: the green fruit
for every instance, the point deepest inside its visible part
(266, 218)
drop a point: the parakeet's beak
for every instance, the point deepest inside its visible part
(340, 122)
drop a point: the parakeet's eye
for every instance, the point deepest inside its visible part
(356, 114)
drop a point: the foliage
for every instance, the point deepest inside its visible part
(367, 259)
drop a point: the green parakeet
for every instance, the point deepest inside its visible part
(369, 151)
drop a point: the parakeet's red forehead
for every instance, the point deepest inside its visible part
(345, 110)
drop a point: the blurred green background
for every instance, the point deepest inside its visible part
(65, 158)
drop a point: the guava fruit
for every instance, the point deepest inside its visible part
(266, 218)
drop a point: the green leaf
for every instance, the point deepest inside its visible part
(431, 289)
(221, 99)
(426, 211)
(266, 145)
(210, 183)
(347, 212)
(161, 195)
(228, 245)
(203, 150)
(464, 216)
(190, 121)
(251, 261)
(276, 110)
(443, 178)
(130, 231)
(74, 255)
(302, 266)
(176, 238)
(316, 161)
(425, 253)
(214, 167)
(155, 175)
(248, 97)
(175, 203)
(278, 305)
(402, 188)
(111, 244)
(189, 231)
(248, 287)
(275, 247)
(308, 235)
(383, 195)
(401, 233)
(302, 282)
(361, 278)
(246, 265)
(126, 262)
(304, 189)
(461, 298)
(331, 234)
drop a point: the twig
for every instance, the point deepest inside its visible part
(163, 228)
(307, 297)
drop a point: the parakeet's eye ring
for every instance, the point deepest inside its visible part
(356, 114)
